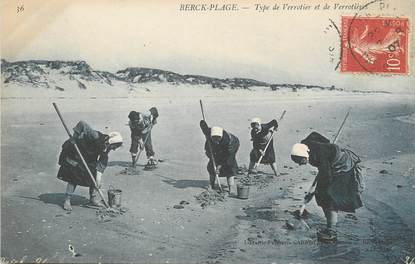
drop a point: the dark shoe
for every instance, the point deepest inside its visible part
(151, 164)
(152, 161)
(150, 167)
(96, 203)
(95, 199)
(327, 236)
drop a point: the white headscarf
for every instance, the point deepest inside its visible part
(216, 131)
(256, 120)
(115, 137)
(300, 150)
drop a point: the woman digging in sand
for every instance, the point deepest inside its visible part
(95, 147)
(141, 126)
(224, 147)
(260, 135)
(339, 182)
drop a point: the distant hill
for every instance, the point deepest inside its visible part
(64, 75)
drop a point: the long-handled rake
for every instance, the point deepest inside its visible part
(310, 192)
(144, 143)
(80, 155)
(212, 158)
(266, 146)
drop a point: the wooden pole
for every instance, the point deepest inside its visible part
(266, 146)
(80, 155)
(212, 158)
(310, 190)
(144, 144)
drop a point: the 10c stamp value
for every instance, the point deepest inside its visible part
(375, 45)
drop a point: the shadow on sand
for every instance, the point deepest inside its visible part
(120, 163)
(59, 198)
(182, 184)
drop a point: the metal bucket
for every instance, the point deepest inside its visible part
(243, 191)
(114, 197)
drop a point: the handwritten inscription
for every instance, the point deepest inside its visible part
(20, 8)
(24, 259)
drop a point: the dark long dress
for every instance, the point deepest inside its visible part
(259, 142)
(339, 178)
(224, 153)
(92, 145)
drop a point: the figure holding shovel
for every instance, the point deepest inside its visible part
(338, 182)
(141, 125)
(263, 144)
(224, 147)
(221, 148)
(91, 147)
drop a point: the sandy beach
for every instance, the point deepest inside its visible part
(34, 225)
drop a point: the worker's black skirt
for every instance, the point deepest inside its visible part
(341, 194)
(268, 158)
(77, 175)
(226, 170)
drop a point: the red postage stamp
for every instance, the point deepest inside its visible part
(375, 45)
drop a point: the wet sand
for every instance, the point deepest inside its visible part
(33, 224)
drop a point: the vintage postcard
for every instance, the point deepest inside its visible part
(216, 131)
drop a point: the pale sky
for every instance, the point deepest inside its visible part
(274, 46)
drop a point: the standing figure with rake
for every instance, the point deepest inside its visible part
(94, 147)
(141, 126)
(224, 147)
(263, 144)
